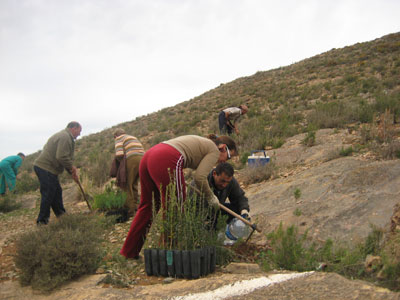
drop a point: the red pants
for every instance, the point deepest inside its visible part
(158, 165)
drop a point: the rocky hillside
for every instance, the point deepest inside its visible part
(329, 123)
(340, 197)
(351, 85)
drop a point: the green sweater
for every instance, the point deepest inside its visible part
(58, 153)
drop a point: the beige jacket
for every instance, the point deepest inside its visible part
(200, 154)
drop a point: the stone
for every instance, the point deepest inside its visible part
(372, 263)
(168, 280)
(242, 268)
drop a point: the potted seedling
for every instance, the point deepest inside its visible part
(182, 241)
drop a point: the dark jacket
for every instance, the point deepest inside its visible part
(233, 192)
(118, 171)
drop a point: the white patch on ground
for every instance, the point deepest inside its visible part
(242, 287)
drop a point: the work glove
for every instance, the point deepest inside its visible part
(214, 202)
(245, 214)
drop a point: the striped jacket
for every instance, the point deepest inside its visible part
(128, 144)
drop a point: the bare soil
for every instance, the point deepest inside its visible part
(340, 198)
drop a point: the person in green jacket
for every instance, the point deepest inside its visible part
(9, 170)
(57, 155)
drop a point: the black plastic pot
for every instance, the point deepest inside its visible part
(120, 214)
(190, 264)
(178, 263)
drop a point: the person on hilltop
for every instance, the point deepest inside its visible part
(57, 155)
(133, 150)
(166, 161)
(225, 186)
(8, 171)
(228, 117)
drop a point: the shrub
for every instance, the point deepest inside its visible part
(346, 152)
(297, 193)
(244, 157)
(8, 203)
(53, 254)
(291, 250)
(256, 174)
(309, 140)
(297, 212)
(100, 165)
(373, 241)
(331, 115)
(26, 183)
(109, 200)
(287, 251)
(160, 137)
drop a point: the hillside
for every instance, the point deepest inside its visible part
(331, 126)
(330, 90)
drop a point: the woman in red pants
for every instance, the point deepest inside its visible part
(165, 161)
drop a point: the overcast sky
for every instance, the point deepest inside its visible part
(106, 62)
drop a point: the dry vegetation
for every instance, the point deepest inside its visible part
(357, 87)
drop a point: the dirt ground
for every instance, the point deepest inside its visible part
(339, 198)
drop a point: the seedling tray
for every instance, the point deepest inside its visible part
(189, 264)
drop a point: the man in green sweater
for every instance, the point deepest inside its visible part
(57, 155)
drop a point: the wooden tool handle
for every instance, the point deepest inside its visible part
(231, 212)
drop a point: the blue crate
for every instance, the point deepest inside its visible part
(257, 160)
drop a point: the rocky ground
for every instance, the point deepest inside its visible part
(340, 197)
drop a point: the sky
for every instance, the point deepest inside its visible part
(105, 62)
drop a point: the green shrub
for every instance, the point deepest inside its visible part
(297, 212)
(8, 203)
(309, 140)
(109, 200)
(277, 143)
(100, 164)
(256, 174)
(297, 193)
(160, 137)
(291, 250)
(392, 274)
(365, 112)
(244, 156)
(288, 251)
(51, 255)
(346, 152)
(331, 115)
(26, 183)
(373, 241)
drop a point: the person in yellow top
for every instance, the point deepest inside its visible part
(131, 147)
(165, 161)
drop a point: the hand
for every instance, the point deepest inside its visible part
(214, 202)
(245, 214)
(74, 173)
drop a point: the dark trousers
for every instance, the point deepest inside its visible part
(223, 127)
(51, 192)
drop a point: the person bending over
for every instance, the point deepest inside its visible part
(166, 161)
